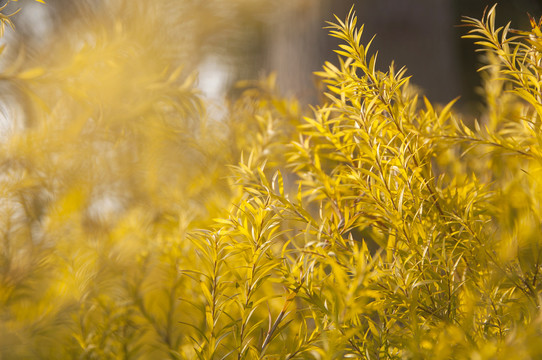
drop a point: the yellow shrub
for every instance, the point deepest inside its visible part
(377, 226)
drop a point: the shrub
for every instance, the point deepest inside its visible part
(377, 226)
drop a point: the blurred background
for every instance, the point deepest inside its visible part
(229, 40)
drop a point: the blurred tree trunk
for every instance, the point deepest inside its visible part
(294, 47)
(418, 34)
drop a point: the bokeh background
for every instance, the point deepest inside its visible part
(229, 40)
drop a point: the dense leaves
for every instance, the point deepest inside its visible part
(377, 226)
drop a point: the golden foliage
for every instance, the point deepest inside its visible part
(378, 226)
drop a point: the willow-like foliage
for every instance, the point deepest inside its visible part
(375, 225)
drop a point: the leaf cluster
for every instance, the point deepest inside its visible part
(376, 225)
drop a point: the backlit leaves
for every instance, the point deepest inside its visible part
(377, 225)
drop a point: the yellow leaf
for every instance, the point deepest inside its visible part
(31, 73)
